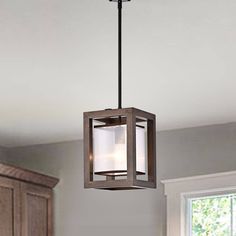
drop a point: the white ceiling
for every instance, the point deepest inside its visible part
(59, 58)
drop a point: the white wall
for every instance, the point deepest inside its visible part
(184, 152)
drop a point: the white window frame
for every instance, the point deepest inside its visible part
(179, 191)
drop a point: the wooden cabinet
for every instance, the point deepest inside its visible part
(9, 207)
(25, 202)
(36, 210)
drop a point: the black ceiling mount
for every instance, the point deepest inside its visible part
(119, 0)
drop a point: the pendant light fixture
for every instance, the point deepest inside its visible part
(119, 144)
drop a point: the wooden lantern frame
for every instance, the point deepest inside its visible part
(131, 182)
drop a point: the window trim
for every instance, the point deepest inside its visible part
(179, 191)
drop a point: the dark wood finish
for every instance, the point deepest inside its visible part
(143, 114)
(36, 210)
(112, 121)
(27, 176)
(108, 178)
(131, 144)
(25, 205)
(9, 207)
(144, 184)
(110, 184)
(107, 113)
(152, 151)
(88, 150)
(132, 116)
(116, 173)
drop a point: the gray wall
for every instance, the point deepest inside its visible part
(3, 154)
(181, 153)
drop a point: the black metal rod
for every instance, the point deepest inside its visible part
(119, 54)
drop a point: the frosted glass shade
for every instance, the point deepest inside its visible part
(110, 150)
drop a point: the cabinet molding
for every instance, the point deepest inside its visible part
(21, 174)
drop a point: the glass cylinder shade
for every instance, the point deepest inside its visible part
(110, 150)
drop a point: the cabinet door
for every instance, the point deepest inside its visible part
(9, 207)
(36, 210)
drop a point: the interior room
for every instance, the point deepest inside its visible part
(117, 118)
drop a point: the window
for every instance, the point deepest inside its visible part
(201, 205)
(213, 215)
